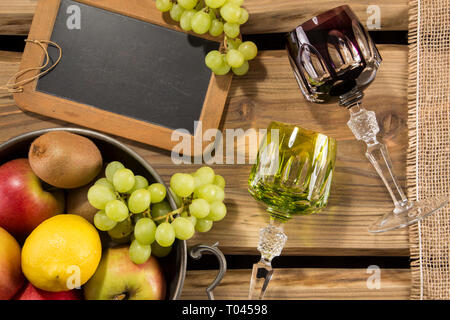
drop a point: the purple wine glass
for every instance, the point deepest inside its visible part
(334, 60)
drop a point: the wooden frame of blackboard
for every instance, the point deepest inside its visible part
(92, 117)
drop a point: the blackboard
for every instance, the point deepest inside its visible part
(125, 70)
(130, 67)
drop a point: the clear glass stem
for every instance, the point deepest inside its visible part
(271, 243)
(365, 127)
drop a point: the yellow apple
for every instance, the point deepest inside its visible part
(11, 278)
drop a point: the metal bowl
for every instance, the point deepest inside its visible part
(174, 264)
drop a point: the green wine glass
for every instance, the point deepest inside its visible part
(292, 176)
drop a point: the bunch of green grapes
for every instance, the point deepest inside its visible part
(200, 197)
(132, 210)
(216, 17)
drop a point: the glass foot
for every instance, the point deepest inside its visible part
(261, 275)
(414, 212)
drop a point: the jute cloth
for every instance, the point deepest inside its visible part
(428, 170)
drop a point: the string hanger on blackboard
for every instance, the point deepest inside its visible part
(14, 86)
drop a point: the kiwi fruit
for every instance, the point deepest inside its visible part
(77, 203)
(65, 160)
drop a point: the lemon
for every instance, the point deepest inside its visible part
(63, 252)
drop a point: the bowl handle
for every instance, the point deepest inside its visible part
(196, 253)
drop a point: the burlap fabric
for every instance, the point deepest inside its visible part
(428, 170)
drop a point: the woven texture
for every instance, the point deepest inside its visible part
(428, 170)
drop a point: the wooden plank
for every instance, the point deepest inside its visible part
(266, 16)
(16, 16)
(307, 284)
(270, 92)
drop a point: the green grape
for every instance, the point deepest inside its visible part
(215, 3)
(104, 182)
(144, 231)
(98, 196)
(116, 210)
(244, 16)
(139, 253)
(188, 4)
(200, 22)
(211, 193)
(160, 209)
(231, 12)
(249, 50)
(191, 218)
(139, 201)
(165, 234)
(177, 199)
(207, 192)
(219, 181)
(159, 251)
(217, 211)
(220, 194)
(199, 208)
(185, 20)
(223, 70)
(232, 30)
(216, 28)
(158, 192)
(214, 59)
(123, 180)
(203, 225)
(121, 230)
(139, 183)
(176, 12)
(197, 182)
(102, 222)
(182, 184)
(183, 227)
(236, 2)
(242, 70)
(111, 168)
(195, 195)
(205, 174)
(235, 59)
(164, 5)
(234, 43)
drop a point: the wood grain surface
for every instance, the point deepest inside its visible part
(332, 284)
(269, 92)
(266, 16)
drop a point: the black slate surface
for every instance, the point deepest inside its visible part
(129, 67)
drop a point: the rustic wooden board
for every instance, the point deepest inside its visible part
(266, 16)
(332, 284)
(270, 92)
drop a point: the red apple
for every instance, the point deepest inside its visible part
(118, 278)
(33, 293)
(11, 277)
(23, 202)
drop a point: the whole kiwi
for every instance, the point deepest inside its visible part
(77, 203)
(65, 160)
